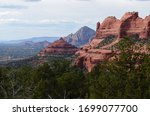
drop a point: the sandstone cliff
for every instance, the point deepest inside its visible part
(59, 47)
(108, 34)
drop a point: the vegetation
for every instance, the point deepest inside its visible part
(56, 80)
(128, 76)
(13, 52)
(106, 41)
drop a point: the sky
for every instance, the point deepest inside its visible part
(22, 19)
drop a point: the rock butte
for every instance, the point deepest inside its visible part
(59, 47)
(130, 24)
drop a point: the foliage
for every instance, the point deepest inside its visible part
(59, 80)
(128, 76)
(106, 41)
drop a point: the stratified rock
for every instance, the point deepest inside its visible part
(108, 34)
(59, 47)
(129, 24)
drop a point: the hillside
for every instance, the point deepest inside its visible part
(108, 35)
(81, 37)
(59, 47)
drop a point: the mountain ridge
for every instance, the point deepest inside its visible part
(81, 37)
(33, 39)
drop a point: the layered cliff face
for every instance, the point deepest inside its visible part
(81, 37)
(59, 47)
(108, 34)
(129, 24)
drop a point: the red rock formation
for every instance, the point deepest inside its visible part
(129, 24)
(59, 47)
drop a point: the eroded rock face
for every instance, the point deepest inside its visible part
(101, 47)
(59, 47)
(129, 24)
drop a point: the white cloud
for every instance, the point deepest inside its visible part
(12, 6)
(52, 21)
(32, 0)
(63, 14)
(36, 22)
(7, 21)
(84, 0)
(9, 13)
(139, 0)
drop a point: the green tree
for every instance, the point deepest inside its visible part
(72, 85)
(125, 77)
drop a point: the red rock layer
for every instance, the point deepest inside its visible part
(129, 24)
(59, 47)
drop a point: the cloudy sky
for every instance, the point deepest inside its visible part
(20, 19)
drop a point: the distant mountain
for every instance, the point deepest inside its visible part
(20, 51)
(41, 39)
(81, 37)
(41, 44)
(31, 40)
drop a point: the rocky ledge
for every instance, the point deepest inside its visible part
(59, 47)
(108, 34)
